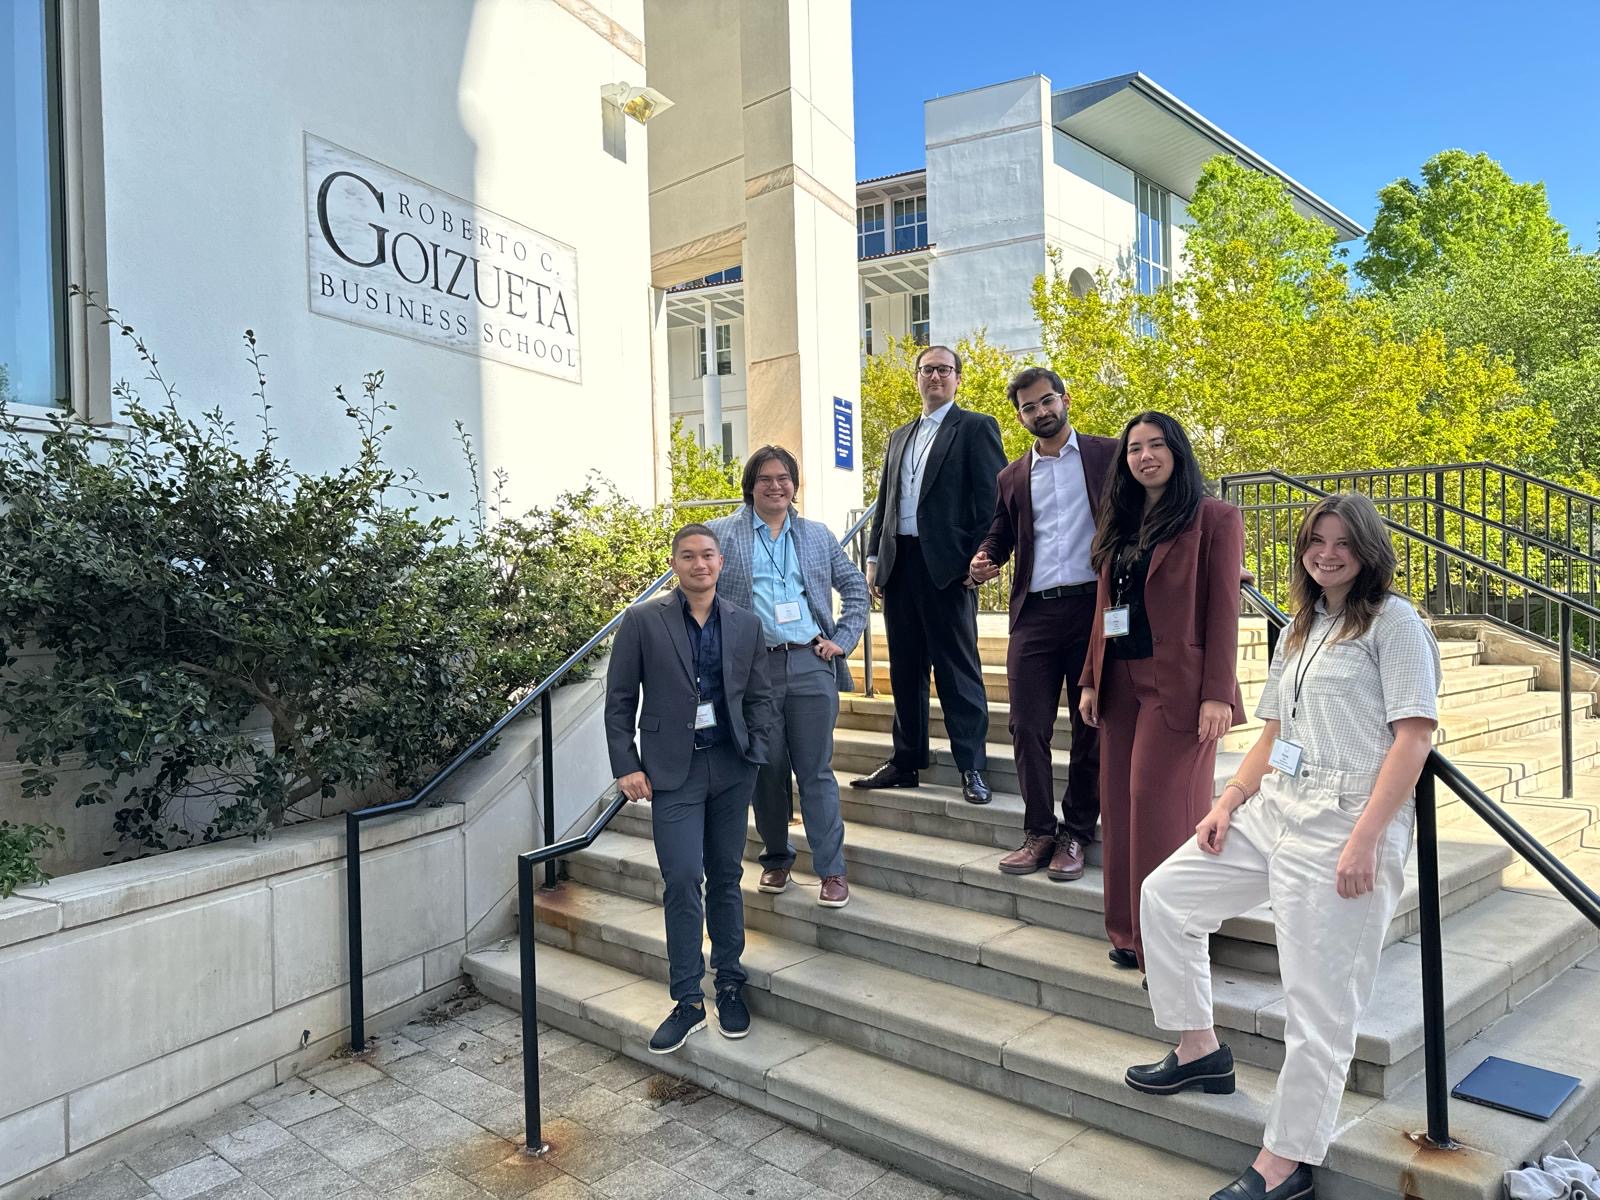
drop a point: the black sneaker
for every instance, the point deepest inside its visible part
(733, 1016)
(675, 1030)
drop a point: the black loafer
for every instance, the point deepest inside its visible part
(973, 789)
(887, 775)
(1125, 959)
(1250, 1186)
(1213, 1074)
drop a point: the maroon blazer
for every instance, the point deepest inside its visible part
(1012, 527)
(1191, 596)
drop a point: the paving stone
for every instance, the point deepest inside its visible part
(357, 1150)
(301, 1106)
(584, 1154)
(554, 1041)
(584, 1056)
(896, 1185)
(465, 1092)
(317, 1182)
(116, 1182)
(345, 1077)
(515, 1175)
(642, 1179)
(163, 1156)
(293, 1087)
(482, 1018)
(192, 1178)
(236, 1189)
(717, 1165)
(629, 1121)
(390, 1048)
(374, 1096)
(507, 1033)
(593, 1101)
(743, 1127)
(440, 1184)
(415, 1067)
(331, 1128)
(280, 1162)
(619, 1072)
(509, 1122)
(448, 1042)
(426, 1124)
(226, 1121)
(841, 1173)
(394, 1171)
(565, 1188)
(768, 1183)
(250, 1142)
(789, 1148)
(475, 1152)
(671, 1142)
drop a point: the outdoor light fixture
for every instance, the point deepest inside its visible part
(640, 103)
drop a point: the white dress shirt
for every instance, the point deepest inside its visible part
(914, 462)
(1063, 524)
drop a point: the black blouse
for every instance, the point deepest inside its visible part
(1128, 575)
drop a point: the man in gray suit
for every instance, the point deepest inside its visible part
(785, 569)
(703, 730)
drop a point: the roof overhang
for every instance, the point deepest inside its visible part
(1134, 120)
(892, 187)
(687, 306)
(893, 274)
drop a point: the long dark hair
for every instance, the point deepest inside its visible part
(1123, 525)
(1369, 543)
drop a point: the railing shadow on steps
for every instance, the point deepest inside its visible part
(546, 856)
(1438, 769)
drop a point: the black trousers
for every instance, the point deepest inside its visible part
(934, 627)
(1047, 647)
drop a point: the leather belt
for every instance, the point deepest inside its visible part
(1066, 589)
(790, 646)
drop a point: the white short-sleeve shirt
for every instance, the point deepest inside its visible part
(1353, 689)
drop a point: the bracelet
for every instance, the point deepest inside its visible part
(1235, 781)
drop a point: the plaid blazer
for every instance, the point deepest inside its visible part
(824, 567)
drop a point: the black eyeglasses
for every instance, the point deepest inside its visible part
(942, 370)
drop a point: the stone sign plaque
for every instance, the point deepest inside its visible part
(387, 251)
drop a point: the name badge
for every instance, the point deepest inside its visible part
(788, 611)
(1286, 755)
(705, 715)
(1114, 621)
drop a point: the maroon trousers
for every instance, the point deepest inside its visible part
(1046, 649)
(1156, 783)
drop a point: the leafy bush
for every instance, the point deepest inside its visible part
(700, 474)
(19, 854)
(227, 641)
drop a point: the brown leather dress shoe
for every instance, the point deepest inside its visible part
(1027, 858)
(835, 892)
(774, 880)
(1068, 861)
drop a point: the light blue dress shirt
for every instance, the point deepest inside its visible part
(775, 579)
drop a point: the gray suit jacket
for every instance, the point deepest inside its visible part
(824, 566)
(652, 651)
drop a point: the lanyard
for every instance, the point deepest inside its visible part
(766, 544)
(918, 460)
(1304, 669)
(1126, 564)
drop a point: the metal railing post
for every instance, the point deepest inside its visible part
(1433, 1026)
(532, 1125)
(352, 896)
(1441, 598)
(547, 756)
(1566, 701)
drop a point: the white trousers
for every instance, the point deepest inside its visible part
(1283, 847)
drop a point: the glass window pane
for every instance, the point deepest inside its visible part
(33, 367)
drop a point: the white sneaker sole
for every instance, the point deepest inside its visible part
(679, 1043)
(772, 891)
(745, 1032)
(833, 903)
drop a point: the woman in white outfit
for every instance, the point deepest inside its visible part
(1318, 822)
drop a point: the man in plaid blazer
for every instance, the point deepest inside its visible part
(785, 569)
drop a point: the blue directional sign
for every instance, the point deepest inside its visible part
(844, 434)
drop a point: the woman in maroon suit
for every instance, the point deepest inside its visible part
(1160, 678)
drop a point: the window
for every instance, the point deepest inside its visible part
(33, 304)
(919, 318)
(724, 350)
(731, 275)
(911, 223)
(727, 439)
(1150, 237)
(866, 327)
(870, 238)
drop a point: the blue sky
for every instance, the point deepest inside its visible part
(1345, 98)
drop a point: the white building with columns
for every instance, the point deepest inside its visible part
(1100, 173)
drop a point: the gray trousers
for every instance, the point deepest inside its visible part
(805, 692)
(699, 830)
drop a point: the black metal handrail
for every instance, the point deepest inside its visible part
(1438, 768)
(1439, 556)
(534, 1142)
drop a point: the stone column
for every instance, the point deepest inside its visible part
(711, 384)
(802, 342)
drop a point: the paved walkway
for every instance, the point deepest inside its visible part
(434, 1112)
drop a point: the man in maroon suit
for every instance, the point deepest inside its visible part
(1045, 513)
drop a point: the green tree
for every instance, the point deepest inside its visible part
(1263, 354)
(700, 473)
(1465, 209)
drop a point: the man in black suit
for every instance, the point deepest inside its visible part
(703, 732)
(935, 500)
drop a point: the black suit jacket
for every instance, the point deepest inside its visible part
(956, 500)
(652, 651)
(1012, 527)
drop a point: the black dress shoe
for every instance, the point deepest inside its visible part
(1126, 959)
(887, 775)
(1250, 1186)
(973, 789)
(1213, 1074)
